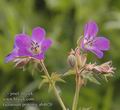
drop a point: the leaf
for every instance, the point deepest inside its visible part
(90, 77)
(60, 80)
(43, 82)
(107, 75)
(57, 77)
(44, 77)
(69, 72)
(53, 79)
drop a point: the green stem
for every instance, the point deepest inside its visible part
(76, 96)
(54, 88)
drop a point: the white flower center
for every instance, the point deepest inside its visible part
(88, 43)
(35, 48)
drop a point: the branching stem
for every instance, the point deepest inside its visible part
(53, 84)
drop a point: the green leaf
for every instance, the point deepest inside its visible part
(44, 77)
(90, 77)
(43, 82)
(107, 75)
(69, 72)
(57, 77)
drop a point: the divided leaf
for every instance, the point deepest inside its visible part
(43, 82)
(69, 72)
(57, 77)
(90, 77)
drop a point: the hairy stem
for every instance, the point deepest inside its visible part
(79, 83)
(76, 96)
(52, 83)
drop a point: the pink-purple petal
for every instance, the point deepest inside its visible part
(39, 56)
(97, 52)
(90, 30)
(46, 44)
(12, 55)
(102, 43)
(22, 40)
(23, 52)
(38, 34)
(82, 44)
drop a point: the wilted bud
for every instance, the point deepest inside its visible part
(71, 59)
(105, 68)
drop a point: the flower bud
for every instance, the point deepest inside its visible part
(71, 60)
(81, 58)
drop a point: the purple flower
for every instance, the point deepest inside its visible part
(91, 42)
(34, 46)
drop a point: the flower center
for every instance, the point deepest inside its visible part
(88, 43)
(35, 48)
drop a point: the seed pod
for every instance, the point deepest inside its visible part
(105, 68)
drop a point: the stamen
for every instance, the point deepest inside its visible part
(35, 47)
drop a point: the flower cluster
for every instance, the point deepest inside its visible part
(77, 58)
(80, 60)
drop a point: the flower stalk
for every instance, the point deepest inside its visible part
(76, 96)
(53, 85)
(79, 83)
(79, 68)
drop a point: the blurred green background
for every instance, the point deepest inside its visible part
(63, 21)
